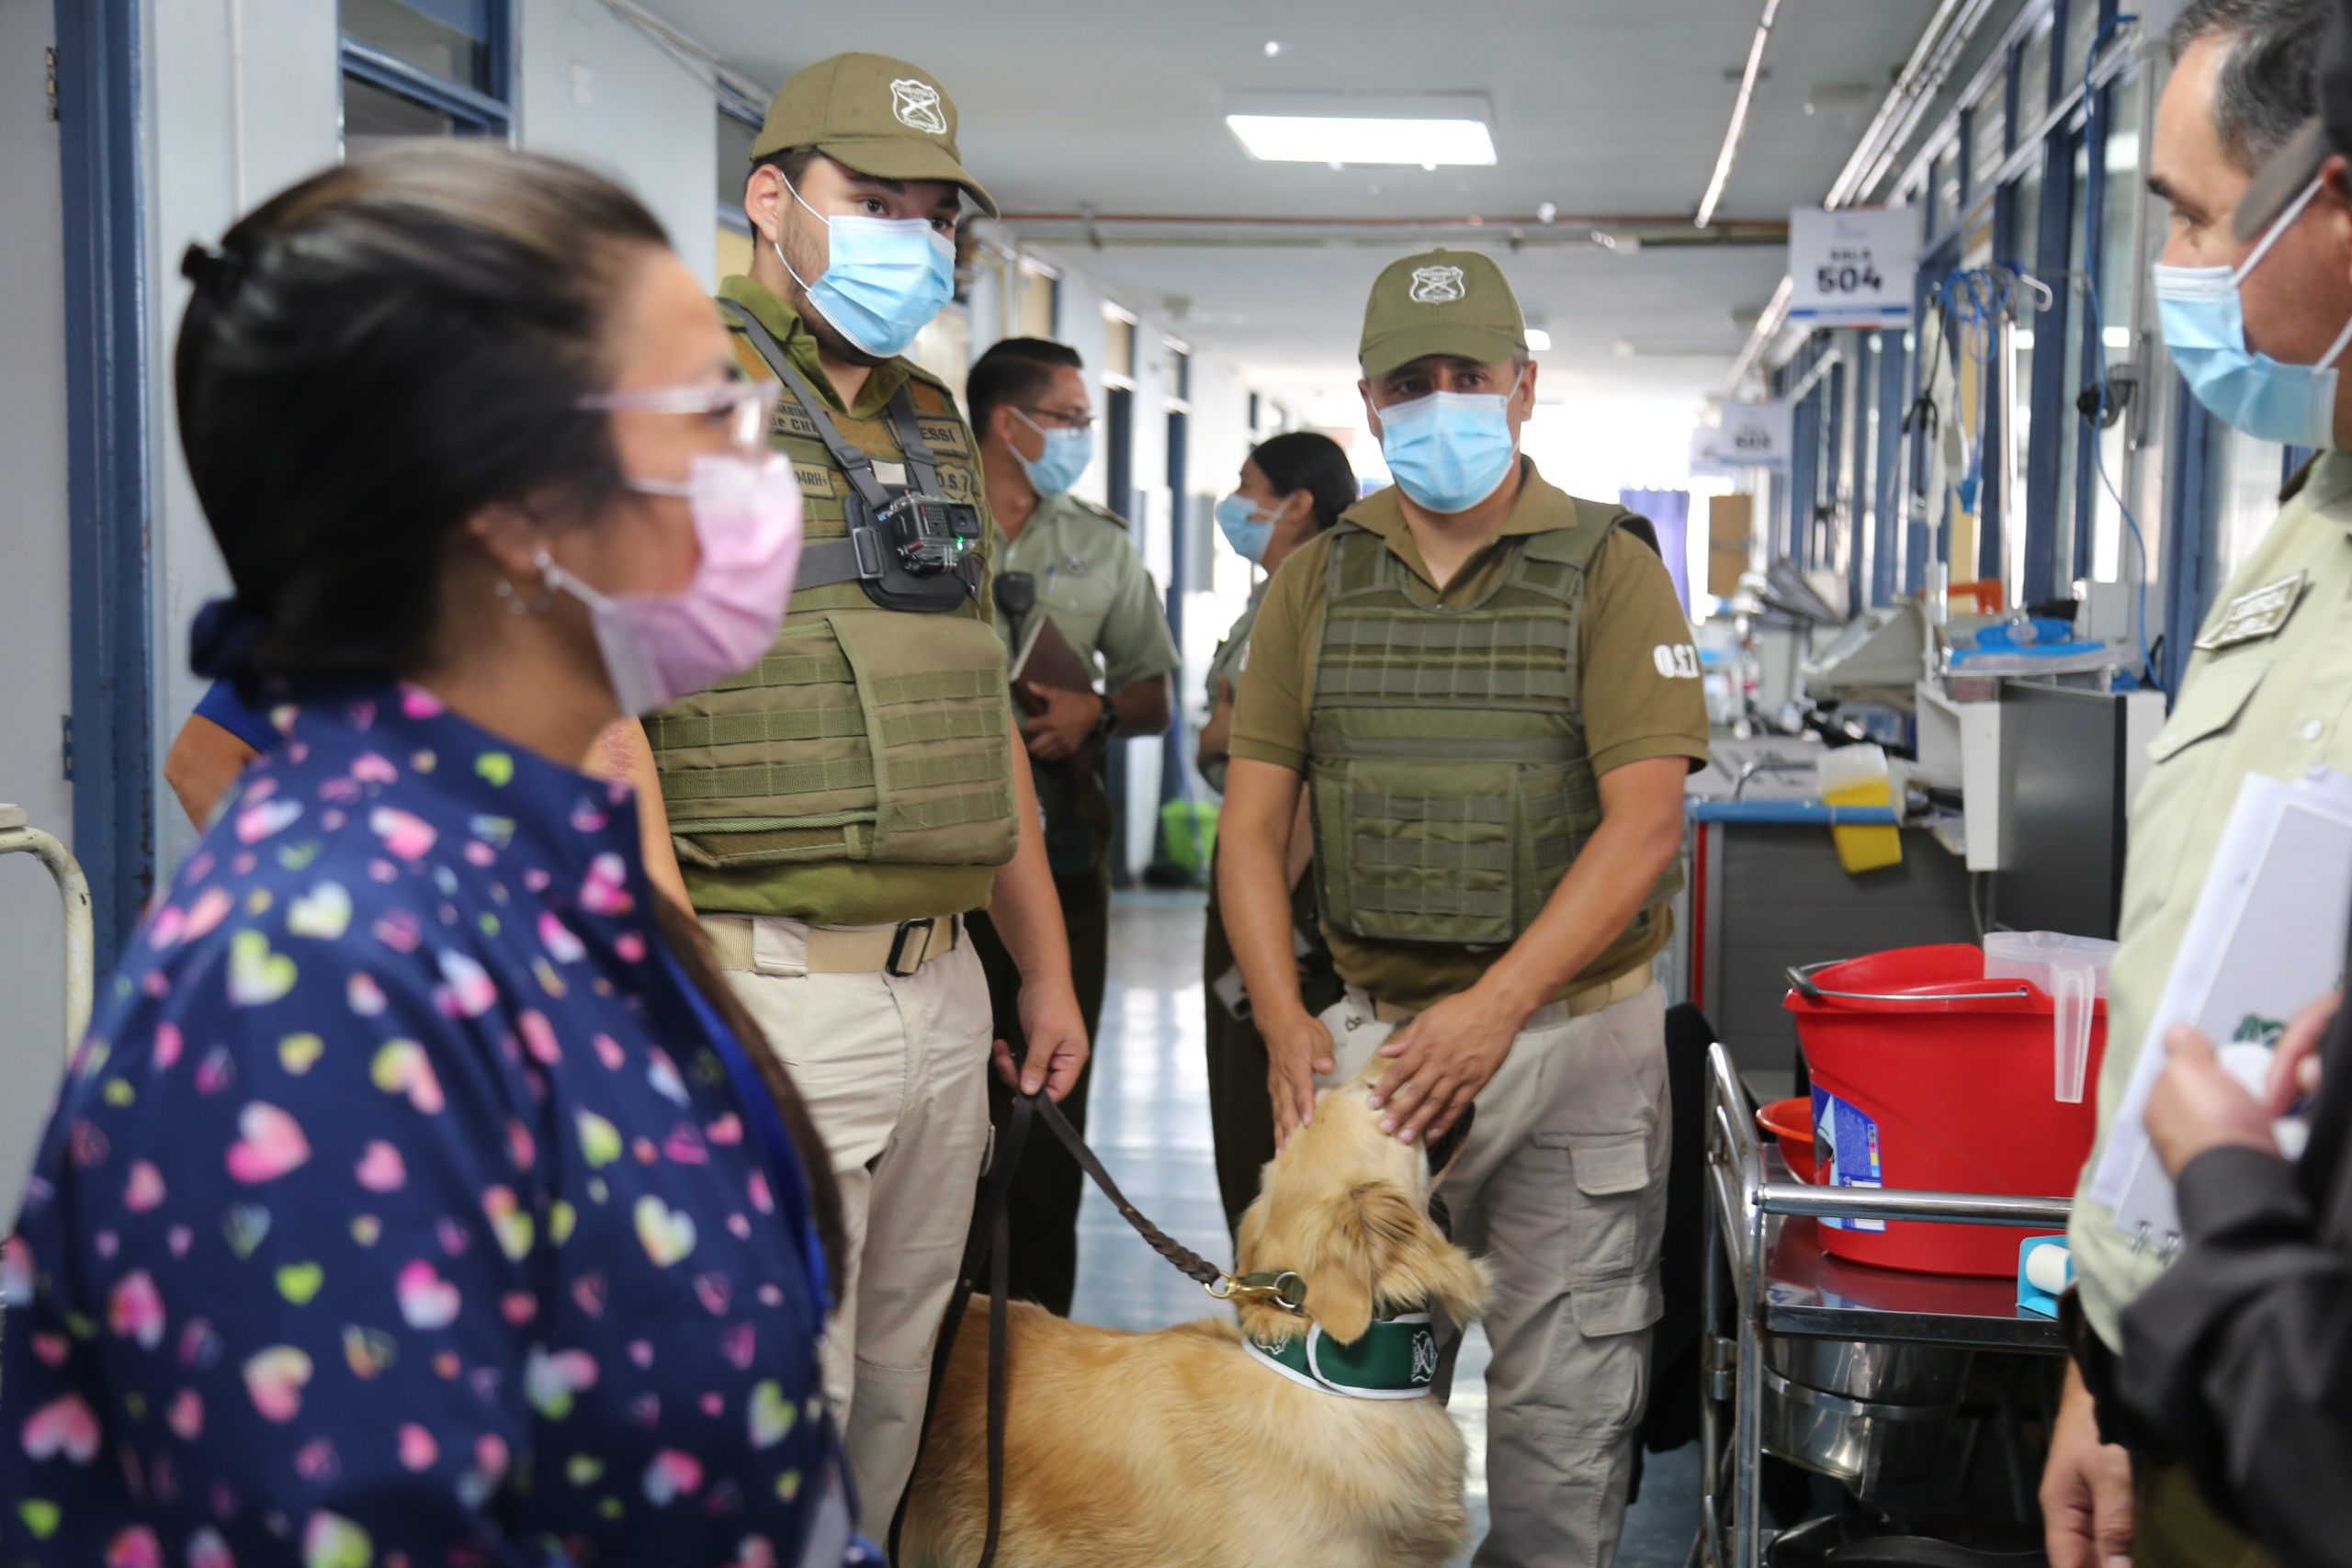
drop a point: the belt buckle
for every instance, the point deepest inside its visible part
(926, 923)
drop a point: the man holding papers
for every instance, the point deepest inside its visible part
(1087, 581)
(2257, 324)
(2239, 1359)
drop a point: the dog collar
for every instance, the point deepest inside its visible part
(1397, 1358)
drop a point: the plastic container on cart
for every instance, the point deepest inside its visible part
(1791, 1123)
(2072, 970)
(1929, 1077)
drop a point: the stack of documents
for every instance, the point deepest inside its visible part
(2266, 937)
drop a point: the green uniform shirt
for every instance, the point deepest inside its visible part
(2277, 705)
(847, 892)
(1637, 706)
(1091, 583)
(1231, 656)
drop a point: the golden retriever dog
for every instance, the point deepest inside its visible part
(1180, 1446)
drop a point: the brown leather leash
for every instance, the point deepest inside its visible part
(989, 1244)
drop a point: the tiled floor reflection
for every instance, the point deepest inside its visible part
(1148, 1120)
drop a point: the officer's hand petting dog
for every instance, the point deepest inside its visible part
(1444, 1057)
(1298, 1046)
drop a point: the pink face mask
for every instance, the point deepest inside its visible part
(661, 647)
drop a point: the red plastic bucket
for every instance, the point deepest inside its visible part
(1929, 1077)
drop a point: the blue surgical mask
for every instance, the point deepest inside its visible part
(1067, 453)
(1450, 450)
(2203, 316)
(884, 278)
(1244, 527)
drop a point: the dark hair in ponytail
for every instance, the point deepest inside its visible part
(371, 357)
(1310, 461)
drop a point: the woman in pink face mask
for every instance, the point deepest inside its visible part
(421, 1193)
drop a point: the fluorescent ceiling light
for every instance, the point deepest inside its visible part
(1340, 129)
(1538, 341)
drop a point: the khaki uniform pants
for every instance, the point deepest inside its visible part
(893, 1069)
(1561, 1188)
(2174, 1527)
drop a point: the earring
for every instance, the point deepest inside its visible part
(518, 606)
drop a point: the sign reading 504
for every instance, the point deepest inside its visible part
(1852, 267)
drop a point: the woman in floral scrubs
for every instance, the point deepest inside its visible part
(417, 1199)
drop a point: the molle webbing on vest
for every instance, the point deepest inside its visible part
(865, 734)
(1451, 780)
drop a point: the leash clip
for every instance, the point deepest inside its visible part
(1285, 1290)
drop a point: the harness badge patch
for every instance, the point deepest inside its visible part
(1424, 1359)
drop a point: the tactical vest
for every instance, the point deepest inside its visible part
(867, 734)
(1451, 785)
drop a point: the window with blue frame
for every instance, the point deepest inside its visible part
(738, 131)
(425, 68)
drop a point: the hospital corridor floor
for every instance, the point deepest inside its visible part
(1148, 1120)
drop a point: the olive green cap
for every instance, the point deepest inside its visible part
(1441, 301)
(876, 115)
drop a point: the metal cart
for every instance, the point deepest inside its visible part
(1767, 1270)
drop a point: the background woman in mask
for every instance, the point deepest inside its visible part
(416, 1195)
(1292, 487)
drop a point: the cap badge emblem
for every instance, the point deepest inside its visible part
(1437, 285)
(916, 103)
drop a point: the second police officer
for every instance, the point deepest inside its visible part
(1036, 425)
(1489, 688)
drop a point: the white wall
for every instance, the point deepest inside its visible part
(645, 120)
(291, 104)
(35, 684)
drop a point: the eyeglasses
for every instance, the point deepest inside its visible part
(743, 411)
(1062, 420)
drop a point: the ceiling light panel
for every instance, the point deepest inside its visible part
(1340, 129)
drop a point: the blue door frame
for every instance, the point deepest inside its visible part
(1889, 570)
(2189, 550)
(108, 489)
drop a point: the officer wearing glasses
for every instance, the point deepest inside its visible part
(1036, 424)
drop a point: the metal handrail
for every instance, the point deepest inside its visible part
(18, 836)
(1859, 1202)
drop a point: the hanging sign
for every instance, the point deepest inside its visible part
(1706, 454)
(1852, 267)
(1752, 435)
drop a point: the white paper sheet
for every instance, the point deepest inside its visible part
(2266, 937)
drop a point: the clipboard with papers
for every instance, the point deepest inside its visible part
(2266, 937)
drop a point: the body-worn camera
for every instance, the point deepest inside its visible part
(929, 535)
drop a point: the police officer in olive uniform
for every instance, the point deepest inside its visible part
(1035, 423)
(841, 808)
(2264, 695)
(1488, 686)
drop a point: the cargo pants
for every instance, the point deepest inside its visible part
(1561, 1189)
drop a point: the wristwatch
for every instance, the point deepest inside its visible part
(1108, 724)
